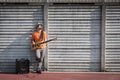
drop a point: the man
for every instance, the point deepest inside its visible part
(39, 35)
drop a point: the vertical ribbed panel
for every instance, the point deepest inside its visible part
(112, 38)
(21, 0)
(16, 24)
(78, 45)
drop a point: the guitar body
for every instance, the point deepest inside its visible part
(36, 46)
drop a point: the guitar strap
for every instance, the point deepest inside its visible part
(41, 38)
(41, 35)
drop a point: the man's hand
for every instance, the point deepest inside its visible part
(33, 42)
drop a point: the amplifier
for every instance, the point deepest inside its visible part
(22, 66)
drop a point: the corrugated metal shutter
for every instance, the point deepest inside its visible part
(78, 45)
(74, 1)
(19, 1)
(16, 24)
(112, 38)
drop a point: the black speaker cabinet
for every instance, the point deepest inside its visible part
(22, 66)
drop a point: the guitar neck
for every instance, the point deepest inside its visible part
(45, 41)
(35, 46)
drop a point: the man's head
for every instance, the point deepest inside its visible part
(39, 27)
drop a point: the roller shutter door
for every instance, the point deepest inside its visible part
(112, 55)
(78, 31)
(16, 25)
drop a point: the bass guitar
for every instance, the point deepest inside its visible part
(35, 46)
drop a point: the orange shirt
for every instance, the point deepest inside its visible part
(36, 38)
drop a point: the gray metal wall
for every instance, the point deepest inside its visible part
(59, 1)
(74, 1)
(78, 32)
(22, 1)
(16, 24)
(112, 54)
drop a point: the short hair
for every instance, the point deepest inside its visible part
(39, 24)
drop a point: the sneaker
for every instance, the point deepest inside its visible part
(39, 71)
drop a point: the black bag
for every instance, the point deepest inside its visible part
(22, 66)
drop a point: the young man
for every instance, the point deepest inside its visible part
(39, 35)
